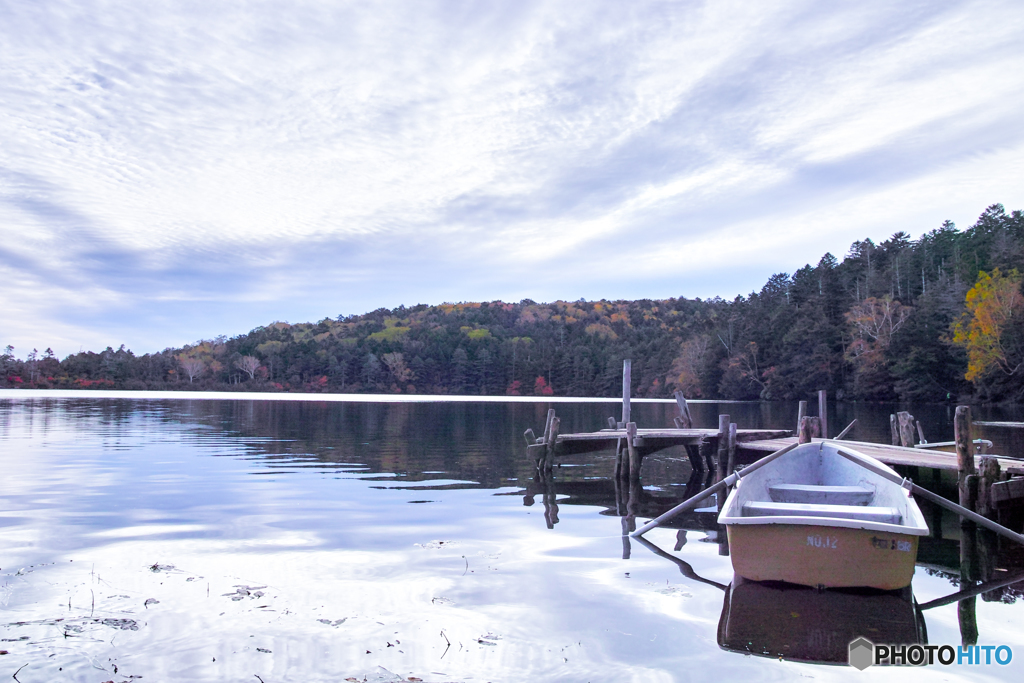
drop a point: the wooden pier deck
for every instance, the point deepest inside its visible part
(890, 455)
(652, 440)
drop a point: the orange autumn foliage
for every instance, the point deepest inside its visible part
(991, 304)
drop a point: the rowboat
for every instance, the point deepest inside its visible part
(818, 516)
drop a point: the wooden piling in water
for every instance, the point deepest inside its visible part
(684, 420)
(964, 456)
(894, 430)
(801, 413)
(634, 454)
(823, 412)
(627, 366)
(810, 428)
(988, 474)
(551, 441)
(731, 461)
(906, 428)
(722, 456)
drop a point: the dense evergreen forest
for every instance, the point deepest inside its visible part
(939, 318)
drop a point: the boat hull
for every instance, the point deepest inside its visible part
(816, 555)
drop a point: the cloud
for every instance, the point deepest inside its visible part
(171, 171)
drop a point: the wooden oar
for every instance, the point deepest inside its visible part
(725, 483)
(928, 495)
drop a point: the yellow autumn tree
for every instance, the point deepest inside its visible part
(991, 303)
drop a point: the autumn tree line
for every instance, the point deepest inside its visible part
(936, 319)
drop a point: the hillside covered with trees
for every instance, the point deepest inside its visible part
(934, 319)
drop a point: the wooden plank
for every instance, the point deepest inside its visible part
(999, 424)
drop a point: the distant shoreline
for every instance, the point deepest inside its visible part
(25, 394)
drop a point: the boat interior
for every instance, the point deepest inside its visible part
(814, 481)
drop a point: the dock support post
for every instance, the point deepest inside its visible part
(627, 366)
(801, 413)
(685, 420)
(722, 456)
(823, 412)
(906, 426)
(988, 474)
(894, 429)
(634, 454)
(551, 443)
(810, 428)
(964, 457)
(731, 462)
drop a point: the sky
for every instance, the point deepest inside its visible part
(174, 171)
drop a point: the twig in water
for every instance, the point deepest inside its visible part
(15, 676)
(258, 676)
(467, 565)
(93, 608)
(449, 644)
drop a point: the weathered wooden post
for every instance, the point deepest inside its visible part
(684, 420)
(551, 443)
(988, 474)
(894, 429)
(722, 456)
(627, 365)
(801, 413)
(906, 425)
(731, 462)
(810, 428)
(634, 454)
(966, 485)
(823, 412)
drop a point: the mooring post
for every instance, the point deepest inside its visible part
(964, 457)
(722, 456)
(894, 429)
(810, 428)
(634, 454)
(552, 442)
(906, 424)
(731, 462)
(988, 474)
(627, 365)
(801, 413)
(685, 420)
(823, 412)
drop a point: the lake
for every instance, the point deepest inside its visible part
(284, 540)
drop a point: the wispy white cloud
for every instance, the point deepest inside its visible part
(174, 170)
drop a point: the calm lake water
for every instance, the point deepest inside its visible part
(230, 540)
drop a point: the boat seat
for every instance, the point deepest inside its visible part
(859, 512)
(829, 495)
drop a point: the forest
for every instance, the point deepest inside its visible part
(932, 320)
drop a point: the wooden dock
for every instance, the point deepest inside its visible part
(890, 455)
(986, 484)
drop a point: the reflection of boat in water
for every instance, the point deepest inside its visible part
(816, 517)
(806, 624)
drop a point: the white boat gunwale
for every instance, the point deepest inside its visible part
(913, 522)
